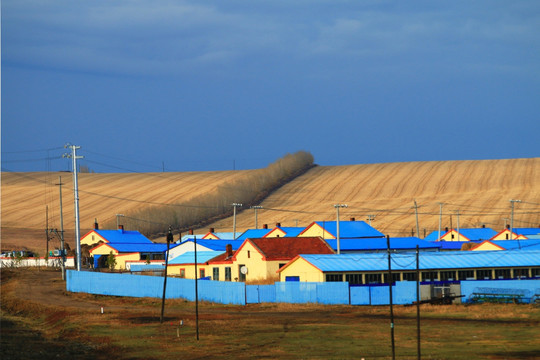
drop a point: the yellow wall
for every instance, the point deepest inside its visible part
(250, 257)
(174, 270)
(315, 230)
(486, 247)
(457, 237)
(302, 268)
(103, 250)
(122, 258)
(92, 238)
(275, 233)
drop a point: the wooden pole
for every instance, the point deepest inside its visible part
(391, 302)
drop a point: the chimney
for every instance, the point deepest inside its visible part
(96, 225)
(446, 229)
(508, 226)
(212, 230)
(353, 219)
(278, 224)
(228, 248)
(190, 231)
(121, 227)
(483, 226)
(265, 226)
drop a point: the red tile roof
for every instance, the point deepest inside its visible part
(286, 248)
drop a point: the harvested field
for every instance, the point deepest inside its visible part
(479, 190)
(48, 322)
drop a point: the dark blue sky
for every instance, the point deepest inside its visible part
(212, 85)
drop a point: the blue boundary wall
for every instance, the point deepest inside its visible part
(226, 292)
(152, 286)
(530, 288)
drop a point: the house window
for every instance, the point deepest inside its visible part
(521, 273)
(183, 273)
(334, 277)
(249, 254)
(466, 274)
(502, 273)
(373, 278)
(535, 272)
(395, 277)
(429, 276)
(354, 279)
(228, 276)
(484, 274)
(215, 273)
(201, 273)
(409, 276)
(448, 275)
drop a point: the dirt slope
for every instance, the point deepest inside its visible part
(479, 190)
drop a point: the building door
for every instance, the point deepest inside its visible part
(241, 276)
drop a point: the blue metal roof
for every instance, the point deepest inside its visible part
(454, 245)
(350, 229)
(518, 244)
(294, 231)
(221, 235)
(527, 231)
(123, 236)
(189, 257)
(371, 244)
(219, 245)
(144, 248)
(428, 260)
(253, 234)
(478, 233)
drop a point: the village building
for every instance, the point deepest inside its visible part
(371, 268)
(347, 230)
(119, 236)
(126, 252)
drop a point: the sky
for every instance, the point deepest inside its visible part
(172, 85)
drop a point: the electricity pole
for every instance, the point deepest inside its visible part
(256, 208)
(416, 214)
(370, 217)
(512, 218)
(234, 219)
(62, 248)
(47, 234)
(457, 213)
(337, 206)
(440, 220)
(74, 157)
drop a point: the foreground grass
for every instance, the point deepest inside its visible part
(130, 329)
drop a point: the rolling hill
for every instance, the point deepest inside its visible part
(479, 191)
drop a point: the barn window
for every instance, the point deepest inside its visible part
(395, 277)
(429, 276)
(448, 275)
(354, 279)
(334, 277)
(521, 273)
(466, 274)
(483, 274)
(502, 273)
(409, 276)
(373, 278)
(535, 272)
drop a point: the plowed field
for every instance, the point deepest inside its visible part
(475, 193)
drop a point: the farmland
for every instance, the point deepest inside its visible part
(478, 190)
(40, 318)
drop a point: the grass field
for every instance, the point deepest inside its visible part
(36, 306)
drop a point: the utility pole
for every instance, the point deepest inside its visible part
(457, 213)
(418, 302)
(62, 247)
(74, 158)
(512, 202)
(47, 234)
(256, 207)
(370, 217)
(234, 219)
(169, 240)
(440, 220)
(416, 214)
(391, 301)
(338, 206)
